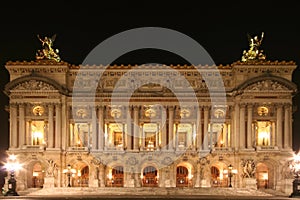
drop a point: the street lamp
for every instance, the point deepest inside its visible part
(12, 165)
(230, 172)
(295, 169)
(69, 172)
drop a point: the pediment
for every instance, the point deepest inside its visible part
(266, 85)
(34, 85)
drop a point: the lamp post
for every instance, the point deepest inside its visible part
(69, 172)
(12, 165)
(295, 169)
(230, 172)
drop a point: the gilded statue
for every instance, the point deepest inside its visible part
(254, 53)
(47, 51)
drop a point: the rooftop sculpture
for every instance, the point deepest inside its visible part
(48, 52)
(254, 53)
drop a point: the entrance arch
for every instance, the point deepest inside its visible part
(263, 176)
(150, 177)
(37, 174)
(182, 176)
(117, 176)
(81, 178)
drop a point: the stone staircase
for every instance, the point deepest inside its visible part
(113, 191)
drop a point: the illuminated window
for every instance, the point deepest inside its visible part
(263, 132)
(81, 134)
(150, 131)
(37, 132)
(115, 134)
(184, 132)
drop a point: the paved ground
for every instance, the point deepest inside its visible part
(149, 194)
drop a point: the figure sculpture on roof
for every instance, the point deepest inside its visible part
(47, 52)
(254, 53)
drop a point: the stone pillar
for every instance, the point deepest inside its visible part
(273, 132)
(279, 126)
(286, 126)
(205, 139)
(199, 129)
(21, 125)
(171, 125)
(29, 135)
(13, 126)
(197, 183)
(57, 126)
(51, 126)
(225, 135)
(143, 136)
(100, 128)
(249, 126)
(129, 131)
(102, 175)
(236, 131)
(94, 142)
(163, 127)
(242, 127)
(136, 128)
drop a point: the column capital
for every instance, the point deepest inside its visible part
(250, 106)
(206, 108)
(171, 107)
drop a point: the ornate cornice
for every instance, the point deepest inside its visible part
(263, 62)
(37, 62)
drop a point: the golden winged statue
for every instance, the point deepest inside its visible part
(47, 51)
(254, 53)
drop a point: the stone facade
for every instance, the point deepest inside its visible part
(151, 125)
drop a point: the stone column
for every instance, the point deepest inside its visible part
(51, 125)
(205, 139)
(100, 128)
(13, 126)
(29, 134)
(57, 126)
(94, 142)
(143, 136)
(249, 126)
(136, 128)
(163, 129)
(279, 126)
(21, 125)
(236, 131)
(286, 126)
(129, 131)
(171, 125)
(199, 129)
(242, 127)
(273, 132)
(225, 135)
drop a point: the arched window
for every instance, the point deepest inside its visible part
(182, 176)
(150, 178)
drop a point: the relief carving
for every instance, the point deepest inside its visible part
(34, 85)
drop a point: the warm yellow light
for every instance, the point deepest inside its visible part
(265, 176)
(35, 174)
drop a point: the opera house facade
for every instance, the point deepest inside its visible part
(151, 125)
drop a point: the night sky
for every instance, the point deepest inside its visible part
(220, 27)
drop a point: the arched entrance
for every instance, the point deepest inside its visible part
(218, 177)
(150, 177)
(263, 176)
(37, 174)
(117, 176)
(81, 178)
(182, 176)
